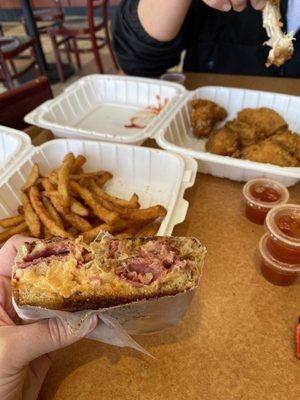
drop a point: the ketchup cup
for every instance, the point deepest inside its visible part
(275, 271)
(261, 195)
(283, 226)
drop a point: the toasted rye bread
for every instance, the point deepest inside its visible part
(71, 275)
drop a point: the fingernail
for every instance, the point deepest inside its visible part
(89, 325)
(226, 7)
(259, 4)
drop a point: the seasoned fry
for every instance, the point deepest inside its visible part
(47, 184)
(22, 227)
(89, 175)
(32, 178)
(105, 177)
(78, 208)
(107, 216)
(20, 210)
(149, 230)
(63, 179)
(12, 221)
(32, 220)
(92, 234)
(47, 233)
(52, 212)
(78, 163)
(78, 222)
(44, 215)
(73, 231)
(132, 203)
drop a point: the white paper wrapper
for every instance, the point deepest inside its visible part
(118, 323)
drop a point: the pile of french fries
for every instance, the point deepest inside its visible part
(68, 203)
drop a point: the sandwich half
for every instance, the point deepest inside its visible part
(72, 275)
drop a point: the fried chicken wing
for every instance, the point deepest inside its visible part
(247, 134)
(281, 44)
(269, 152)
(288, 141)
(205, 114)
(264, 120)
(223, 142)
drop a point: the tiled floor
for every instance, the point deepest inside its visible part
(88, 64)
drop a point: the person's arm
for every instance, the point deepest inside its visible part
(162, 20)
(146, 54)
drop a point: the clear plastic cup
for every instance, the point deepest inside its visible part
(261, 195)
(273, 270)
(283, 225)
(173, 77)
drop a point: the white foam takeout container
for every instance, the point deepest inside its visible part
(96, 107)
(158, 177)
(177, 136)
(99, 106)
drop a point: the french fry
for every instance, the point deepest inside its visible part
(32, 220)
(78, 163)
(52, 212)
(93, 233)
(78, 222)
(78, 208)
(63, 179)
(20, 209)
(149, 230)
(12, 221)
(107, 216)
(47, 233)
(32, 178)
(73, 231)
(5, 235)
(47, 184)
(132, 203)
(44, 215)
(105, 177)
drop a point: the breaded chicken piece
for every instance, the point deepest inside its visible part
(269, 152)
(223, 142)
(288, 141)
(204, 115)
(265, 121)
(247, 134)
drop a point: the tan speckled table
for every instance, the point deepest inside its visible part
(237, 340)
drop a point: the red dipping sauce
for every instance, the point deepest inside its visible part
(261, 195)
(275, 271)
(283, 225)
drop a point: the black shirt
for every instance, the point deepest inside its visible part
(229, 43)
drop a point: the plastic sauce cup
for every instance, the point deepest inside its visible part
(283, 225)
(275, 271)
(261, 195)
(173, 77)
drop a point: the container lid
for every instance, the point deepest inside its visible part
(271, 225)
(13, 146)
(103, 107)
(266, 183)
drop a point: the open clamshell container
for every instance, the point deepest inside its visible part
(135, 169)
(99, 107)
(177, 136)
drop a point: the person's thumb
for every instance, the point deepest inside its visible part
(46, 336)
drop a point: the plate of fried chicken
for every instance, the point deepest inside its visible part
(238, 134)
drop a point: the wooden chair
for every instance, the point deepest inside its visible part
(16, 103)
(83, 29)
(11, 49)
(47, 17)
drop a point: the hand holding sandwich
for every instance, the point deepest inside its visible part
(26, 351)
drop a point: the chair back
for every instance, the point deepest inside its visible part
(16, 103)
(92, 7)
